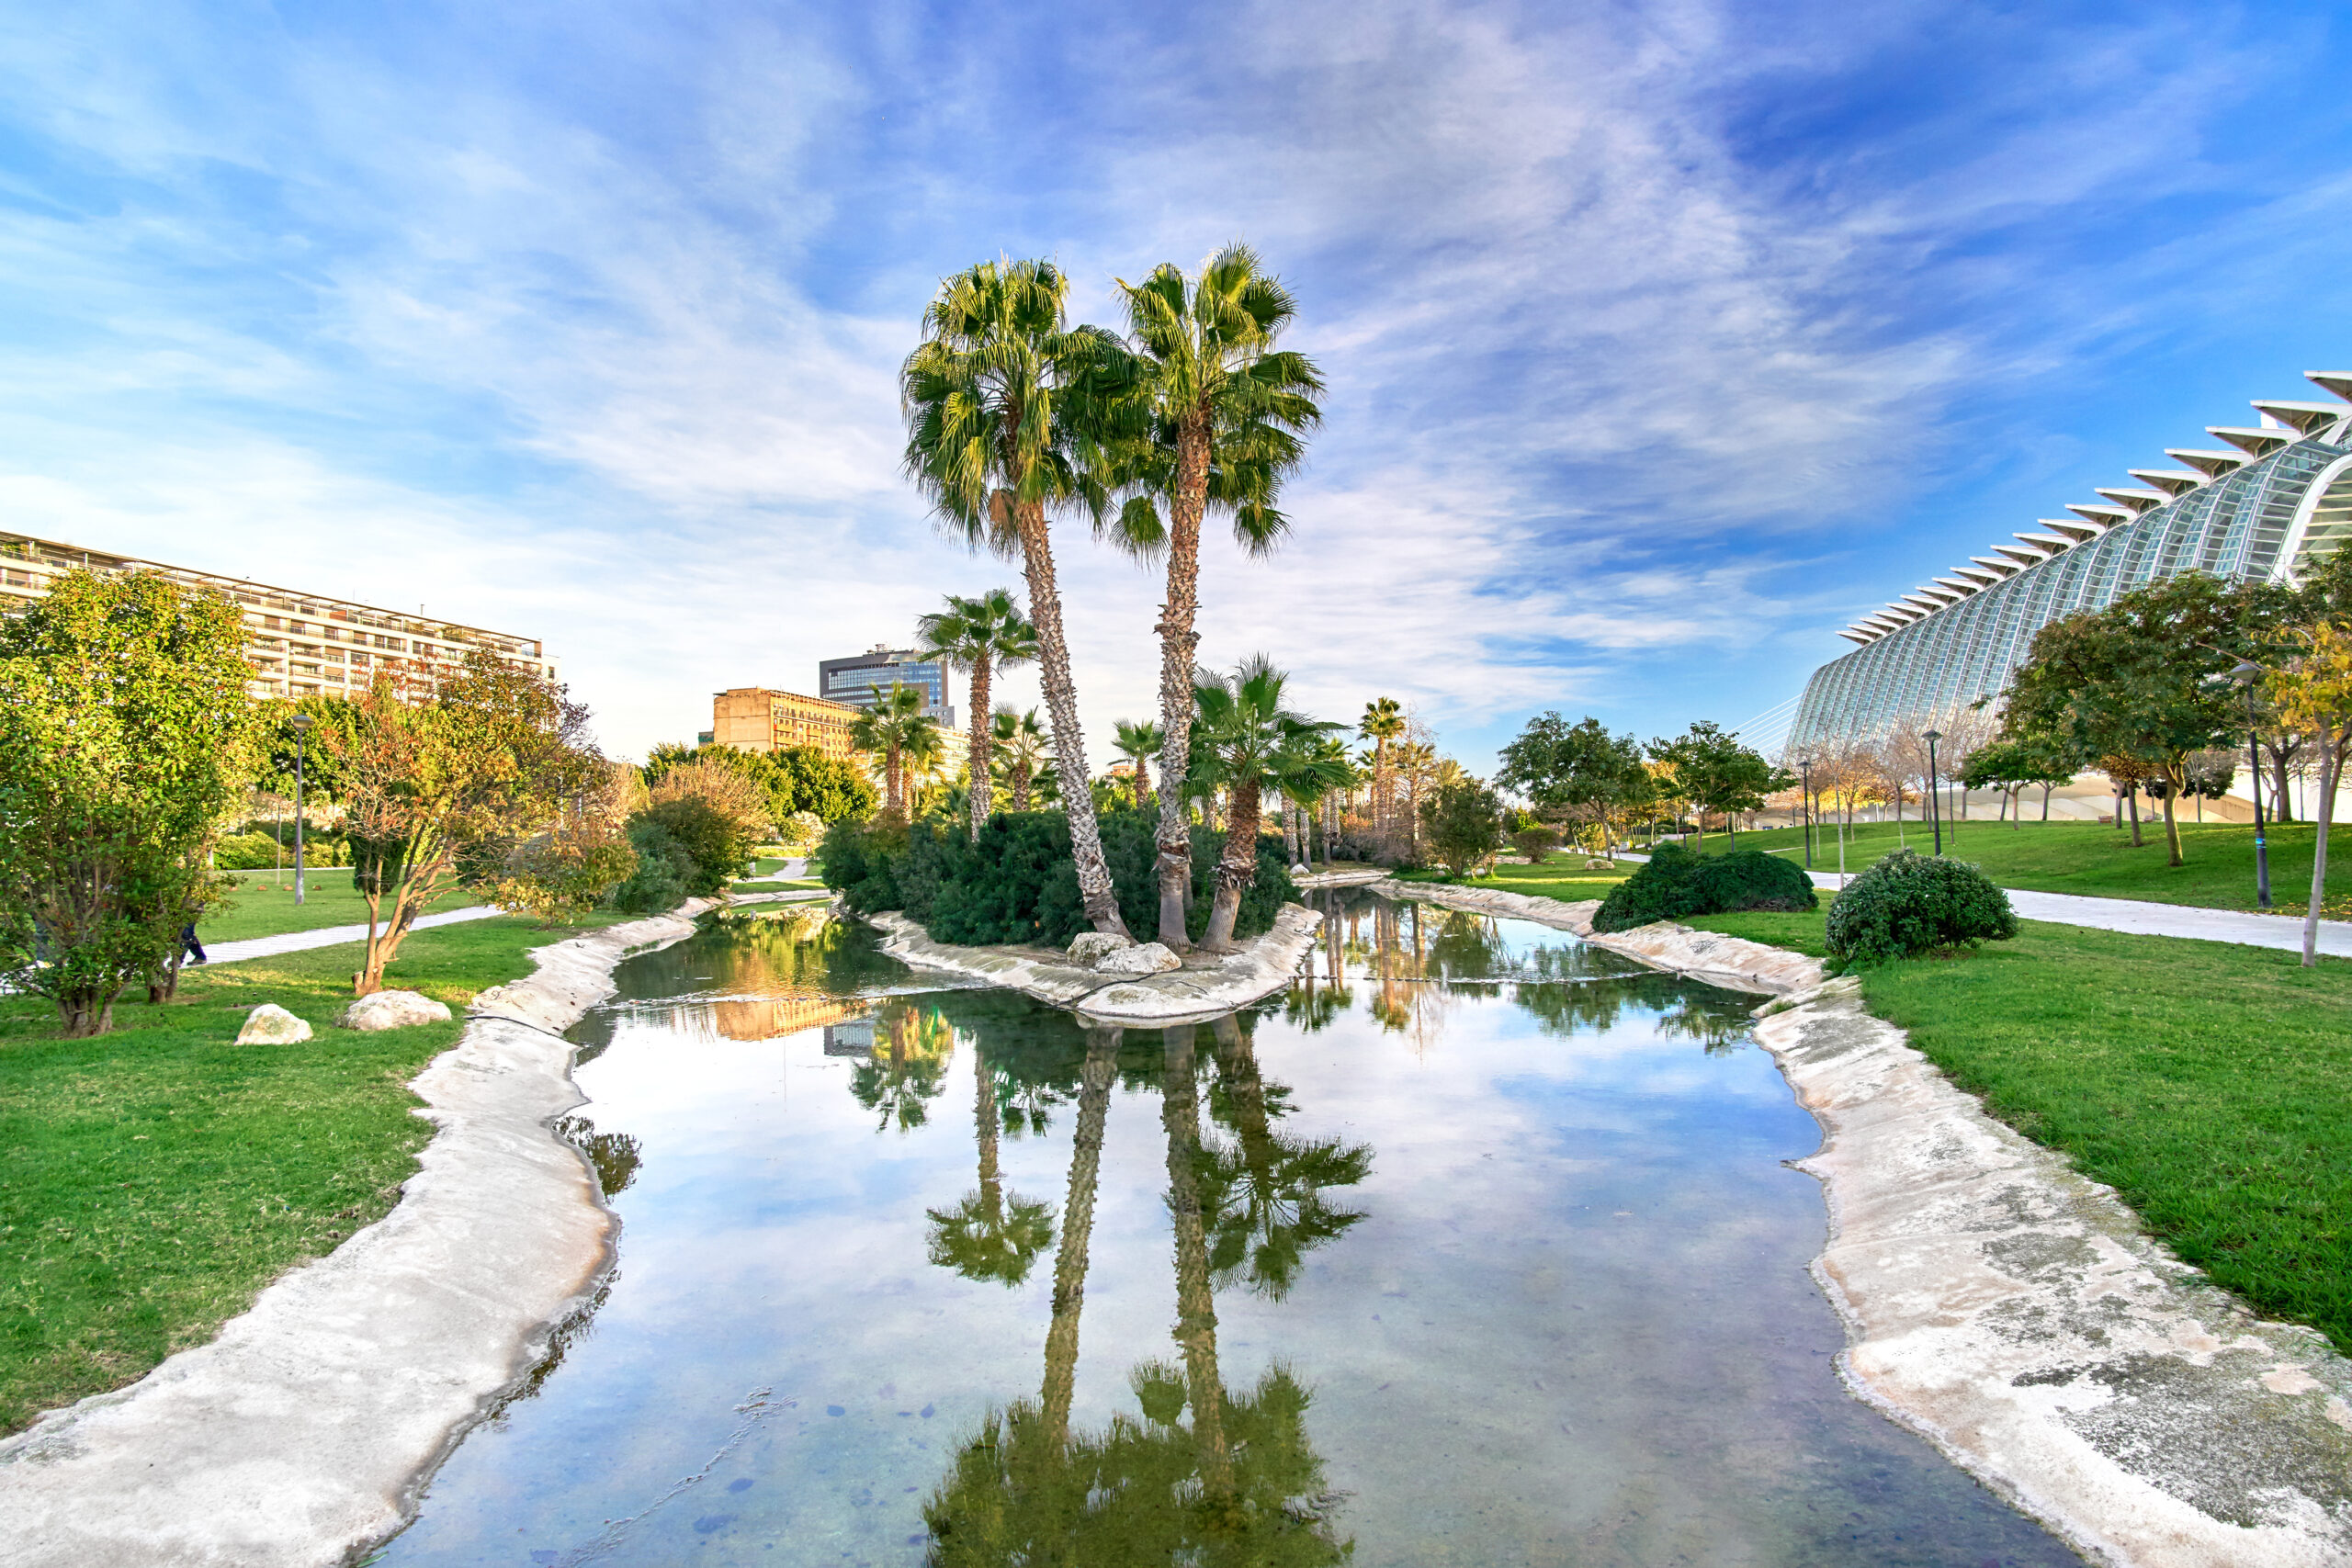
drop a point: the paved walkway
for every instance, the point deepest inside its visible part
(2143, 919)
(330, 936)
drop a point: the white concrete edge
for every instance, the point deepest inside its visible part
(2014, 1312)
(304, 1434)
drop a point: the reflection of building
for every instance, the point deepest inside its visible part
(772, 1018)
(753, 718)
(856, 680)
(301, 644)
(854, 1038)
(2279, 499)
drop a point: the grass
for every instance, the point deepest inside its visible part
(1563, 875)
(775, 885)
(2094, 860)
(264, 905)
(2205, 1082)
(154, 1179)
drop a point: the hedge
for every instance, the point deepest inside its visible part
(1678, 882)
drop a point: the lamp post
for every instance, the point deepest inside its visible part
(2246, 674)
(301, 724)
(1804, 766)
(1935, 806)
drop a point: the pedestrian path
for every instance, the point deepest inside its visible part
(330, 936)
(2141, 917)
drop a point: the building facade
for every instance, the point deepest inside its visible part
(856, 681)
(2277, 499)
(754, 719)
(300, 645)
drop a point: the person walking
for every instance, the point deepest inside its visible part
(191, 947)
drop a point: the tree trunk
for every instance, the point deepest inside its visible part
(894, 797)
(2045, 801)
(1290, 834)
(2278, 796)
(2175, 779)
(2330, 765)
(1196, 1302)
(2131, 794)
(1094, 889)
(83, 1014)
(1236, 867)
(1143, 780)
(1179, 644)
(988, 1124)
(1095, 1081)
(982, 795)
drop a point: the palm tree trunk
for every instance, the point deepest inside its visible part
(983, 797)
(893, 798)
(1095, 1079)
(1179, 646)
(1196, 1302)
(1236, 867)
(988, 1124)
(1094, 889)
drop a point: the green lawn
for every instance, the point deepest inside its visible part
(2207, 1083)
(264, 905)
(154, 1179)
(2090, 859)
(773, 884)
(1561, 876)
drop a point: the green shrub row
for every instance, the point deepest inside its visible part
(1019, 883)
(1678, 882)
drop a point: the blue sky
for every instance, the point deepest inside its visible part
(1663, 340)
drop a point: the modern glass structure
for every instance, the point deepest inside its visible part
(2277, 499)
(856, 680)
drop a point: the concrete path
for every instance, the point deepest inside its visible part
(2143, 919)
(330, 936)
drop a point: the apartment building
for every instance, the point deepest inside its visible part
(299, 644)
(859, 679)
(754, 719)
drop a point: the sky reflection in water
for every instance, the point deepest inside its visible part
(1476, 1247)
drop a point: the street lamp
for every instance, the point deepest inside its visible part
(301, 724)
(2246, 674)
(1804, 766)
(1936, 806)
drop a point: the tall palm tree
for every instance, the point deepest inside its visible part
(1215, 419)
(1416, 761)
(1023, 739)
(1339, 772)
(893, 724)
(1001, 399)
(1246, 742)
(1136, 742)
(991, 1235)
(1383, 721)
(980, 635)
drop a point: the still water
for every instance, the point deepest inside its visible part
(1476, 1247)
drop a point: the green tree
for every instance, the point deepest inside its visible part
(2145, 678)
(1247, 743)
(125, 733)
(888, 728)
(1003, 416)
(798, 778)
(1579, 772)
(1136, 742)
(1218, 415)
(2016, 763)
(981, 635)
(1026, 761)
(1463, 822)
(1715, 773)
(1383, 721)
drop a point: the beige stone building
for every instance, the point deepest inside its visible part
(300, 644)
(754, 719)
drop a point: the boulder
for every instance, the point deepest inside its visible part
(1147, 958)
(1300, 870)
(1088, 946)
(1600, 866)
(270, 1024)
(393, 1009)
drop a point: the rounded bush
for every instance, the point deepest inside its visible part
(1909, 902)
(1678, 882)
(1535, 843)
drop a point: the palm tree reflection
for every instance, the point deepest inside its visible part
(990, 1234)
(907, 1067)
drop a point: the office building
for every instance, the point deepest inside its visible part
(856, 680)
(300, 645)
(754, 719)
(2262, 505)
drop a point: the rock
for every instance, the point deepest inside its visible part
(270, 1024)
(1600, 866)
(1300, 870)
(1149, 958)
(392, 1010)
(1088, 946)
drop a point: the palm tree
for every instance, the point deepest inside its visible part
(1136, 742)
(894, 724)
(1023, 739)
(1416, 761)
(1264, 1198)
(1384, 720)
(1180, 1118)
(1246, 742)
(1000, 399)
(1340, 772)
(980, 634)
(1217, 415)
(991, 1235)
(1096, 1078)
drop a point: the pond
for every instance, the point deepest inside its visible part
(1476, 1247)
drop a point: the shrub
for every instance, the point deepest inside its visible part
(1535, 843)
(1678, 882)
(716, 843)
(1463, 822)
(801, 830)
(560, 875)
(245, 851)
(665, 870)
(1909, 904)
